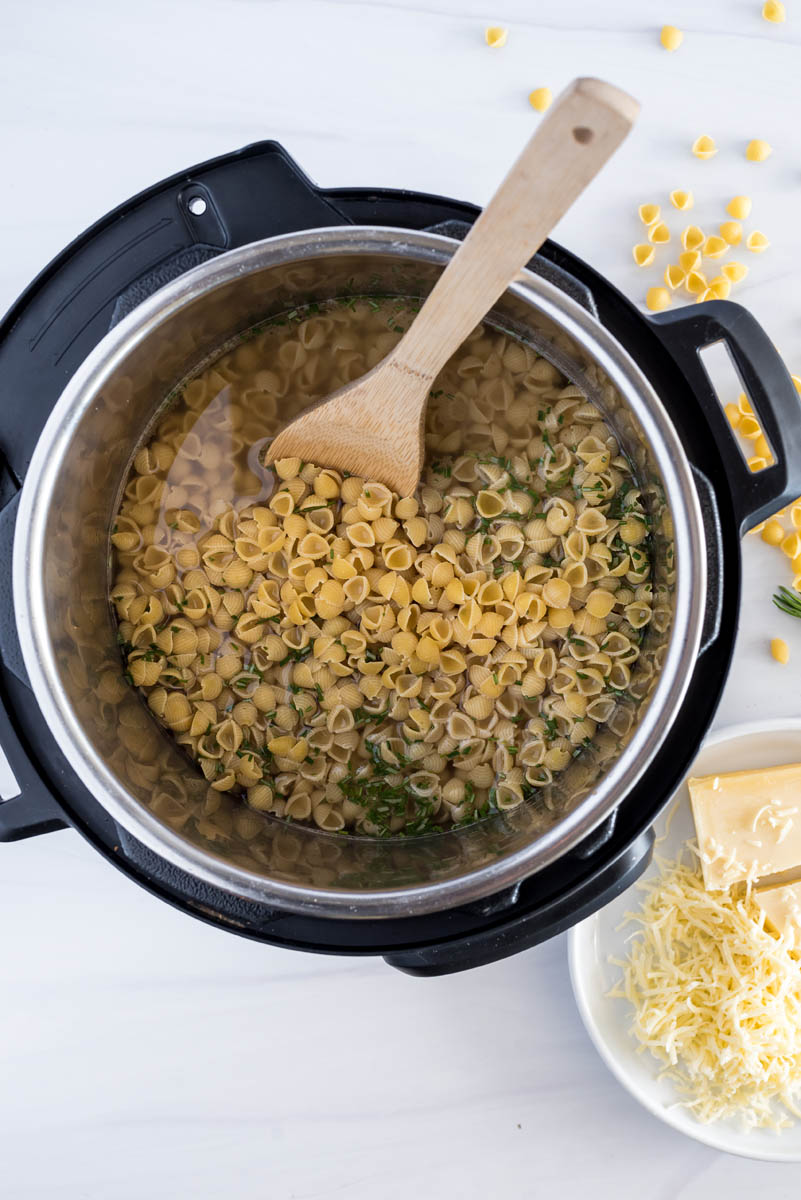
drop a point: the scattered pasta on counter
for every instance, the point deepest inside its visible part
(742, 419)
(756, 242)
(681, 200)
(762, 448)
(649, 214)
(689, 260)
(695, 283)
(496, 36)
(780, 651)
(674, 276)
(687, 274)
(774, 11)
(758, 150)
(643, 254)
(733, 414)
(540, 99)
(731, 232)
(671, 37)
(692, 237)
(659, 233)
(749, 427)
(735, 272)
(772, 530)
(658, 298)
(791, 545)
(714, 246)
(704, 147)
(739, 207)
(719, 288)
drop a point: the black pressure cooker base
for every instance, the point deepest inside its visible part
(255, 193)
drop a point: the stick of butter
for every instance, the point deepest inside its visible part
(782, 909)
(748, 824)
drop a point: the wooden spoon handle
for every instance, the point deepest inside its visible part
(582, 130)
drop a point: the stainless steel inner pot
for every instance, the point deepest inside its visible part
(68, 636)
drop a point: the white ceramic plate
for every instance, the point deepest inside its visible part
(590, 944)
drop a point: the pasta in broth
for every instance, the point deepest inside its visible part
(342, 656)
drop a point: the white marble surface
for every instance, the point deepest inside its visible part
(142, 1053)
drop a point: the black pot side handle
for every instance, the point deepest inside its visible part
(148, 241)
(26, 806)
(767, 383)
(520, 932)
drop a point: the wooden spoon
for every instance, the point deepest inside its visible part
(374, 426)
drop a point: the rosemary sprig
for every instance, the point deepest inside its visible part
(787, 601)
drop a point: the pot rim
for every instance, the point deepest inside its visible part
(30, 600)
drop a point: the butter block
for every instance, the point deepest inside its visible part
(782, 909)
(748, 824)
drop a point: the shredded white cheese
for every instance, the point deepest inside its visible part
(717, 999)
(766, 808)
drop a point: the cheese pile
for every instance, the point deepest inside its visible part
(717, 999)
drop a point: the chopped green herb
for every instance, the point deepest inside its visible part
(363, 716)
(296, 655)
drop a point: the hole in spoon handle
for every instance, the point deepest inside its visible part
(583, 135)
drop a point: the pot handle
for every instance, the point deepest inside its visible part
(185, 220)
(767, 383)
(529, 928)
(26, 806)
(28, 815)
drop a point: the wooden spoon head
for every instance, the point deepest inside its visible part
(372, 428)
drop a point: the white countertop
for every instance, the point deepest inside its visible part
(143, 1054)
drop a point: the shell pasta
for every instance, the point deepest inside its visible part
(339, 655)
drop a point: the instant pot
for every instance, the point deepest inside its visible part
(87, 356)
